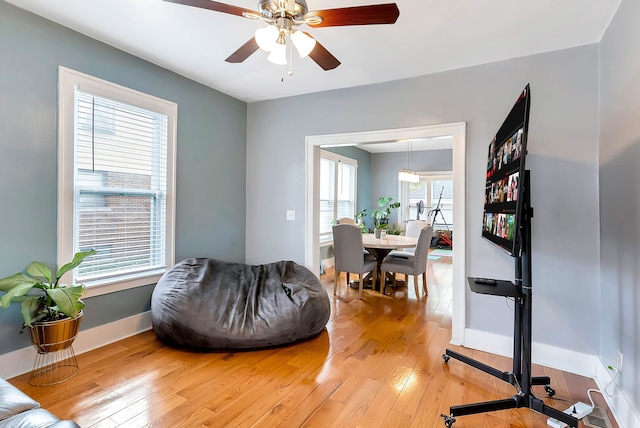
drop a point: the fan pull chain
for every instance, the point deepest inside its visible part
(290, 60)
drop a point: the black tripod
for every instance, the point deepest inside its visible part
(520, 377)
(445, 237)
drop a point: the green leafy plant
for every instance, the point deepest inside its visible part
(394, 229)
(383, 211)
(53, 301)
(362, 213)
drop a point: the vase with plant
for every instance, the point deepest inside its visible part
(394, 229)
(361, 215)
(46, 303)
(381, 214)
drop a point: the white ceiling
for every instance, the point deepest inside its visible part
(419, 144)
(430, 36)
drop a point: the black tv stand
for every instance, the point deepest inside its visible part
(520, 376)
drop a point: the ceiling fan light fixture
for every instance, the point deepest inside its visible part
(267, 37)
(303, 43)
(283, 16)
(278, 54)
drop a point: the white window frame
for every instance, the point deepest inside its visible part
(428, 176)
(324, 154)
(68, 81)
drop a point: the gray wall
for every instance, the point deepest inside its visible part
(387, 165)
(210, 156)
(620, 196)
(563, 159)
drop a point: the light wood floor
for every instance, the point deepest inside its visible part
(377, 364)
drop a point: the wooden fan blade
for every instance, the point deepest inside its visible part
(358, 15)
(323, 57)
(244, 52)
(216, 6)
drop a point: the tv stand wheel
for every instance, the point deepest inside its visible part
(448, 420)
(550, 391)
(446, 358)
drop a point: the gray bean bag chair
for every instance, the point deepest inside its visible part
(210, 304)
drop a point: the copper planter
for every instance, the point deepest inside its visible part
(54, 336)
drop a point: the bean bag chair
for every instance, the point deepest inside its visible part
(209, 304)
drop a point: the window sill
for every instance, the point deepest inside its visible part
(113, 285)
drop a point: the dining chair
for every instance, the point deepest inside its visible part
(413, 230)
(414, 227)
(348, 255)
(415, 264)
(346, 220)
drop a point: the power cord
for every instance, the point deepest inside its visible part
(605, 389)
(512, 300)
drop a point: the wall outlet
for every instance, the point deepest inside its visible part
(619, 361)
(291, 215)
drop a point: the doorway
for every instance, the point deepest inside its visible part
(457, 131)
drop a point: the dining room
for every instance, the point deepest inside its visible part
(355, 179)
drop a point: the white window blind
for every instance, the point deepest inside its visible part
(337, 190)
(116, 182)
(120, 198)
(327, 195)
(346, 191)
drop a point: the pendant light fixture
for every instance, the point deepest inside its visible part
(407, 174)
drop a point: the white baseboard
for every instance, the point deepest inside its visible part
(619, 403)
(328, 263)
(563, 359)
(21, 361)
(543, 354)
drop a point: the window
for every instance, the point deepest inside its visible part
(117, 175)
(428, 190)
(337, 190)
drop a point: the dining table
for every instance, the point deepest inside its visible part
(380, 248)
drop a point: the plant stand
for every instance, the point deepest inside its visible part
(55, 359)
(51, 368)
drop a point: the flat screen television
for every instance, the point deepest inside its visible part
(505, 178)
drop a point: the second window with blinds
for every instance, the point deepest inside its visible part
(338, 177)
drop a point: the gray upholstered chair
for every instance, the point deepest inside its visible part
(415, 265)
(348, 255)
(346, 220)
(413, 230)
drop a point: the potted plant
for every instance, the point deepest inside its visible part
(381, 214)
(394, 229)
(52, 314)
(361, 215)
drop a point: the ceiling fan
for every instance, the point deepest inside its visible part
(283, 16)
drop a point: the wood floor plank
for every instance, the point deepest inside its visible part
(327, 413)
(293, 412)
(358, 404)
(378, 363)
(381, 406)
